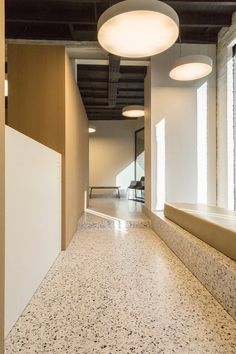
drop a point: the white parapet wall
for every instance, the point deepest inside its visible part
(33, 219)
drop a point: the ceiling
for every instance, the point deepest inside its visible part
(107, 87)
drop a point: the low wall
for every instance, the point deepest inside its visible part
(33, 219)
(212, 268)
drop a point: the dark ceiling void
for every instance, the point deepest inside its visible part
(200, 21)
(106, 89)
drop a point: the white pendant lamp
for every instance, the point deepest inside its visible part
(138, 28)
(92, 129)
(133, 111)
(191, 67)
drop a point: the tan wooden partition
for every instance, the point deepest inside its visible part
(76, 155)
(45, 104)
(36, 107)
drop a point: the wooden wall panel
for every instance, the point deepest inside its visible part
(36, 75)
(2, 175)
(76, 155)
(45, 104)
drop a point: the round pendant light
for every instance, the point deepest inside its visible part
(191, 67)
(133, 111)
(92, 129)
(138, 28)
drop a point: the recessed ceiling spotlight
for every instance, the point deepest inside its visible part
(133, 111)
(138, 28)
(191, 67)
(92, 129)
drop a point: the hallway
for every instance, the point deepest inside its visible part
(118, 290)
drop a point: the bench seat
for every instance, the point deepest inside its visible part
(215, 226)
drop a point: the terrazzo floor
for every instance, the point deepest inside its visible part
(121, 291)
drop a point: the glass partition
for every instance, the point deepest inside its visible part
(139, 154)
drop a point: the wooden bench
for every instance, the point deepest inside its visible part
(104, 187)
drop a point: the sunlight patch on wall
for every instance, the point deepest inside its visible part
(160, 165)
(230, 136)
(124, 178)
(140, 166)
(202, 144)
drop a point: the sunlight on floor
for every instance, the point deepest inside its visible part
(119, 224)
(120, 209)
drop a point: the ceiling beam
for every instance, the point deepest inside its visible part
(83, 45)
(200, 3)
(172, 2)
(104, 106)
(127, 100)
(92, 85)
(101, 75)
(130, 93)
(64, 20)
(203, 19)
(90, 92)
(108, 118)
(103, 111)
(104, 101)
(186, 18)
(201, 38)
(109, 2)
(83, 35)
(104, 85)
(127, 62)
(102, 114)
(72, 32)
(103, 93)
(114, 75)
(202, 26)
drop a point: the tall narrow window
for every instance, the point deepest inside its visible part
(202, 144)
(160, 165)
(234, 124)
(231, 82)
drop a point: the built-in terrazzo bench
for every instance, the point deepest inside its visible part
(216, 271)
(215, 226)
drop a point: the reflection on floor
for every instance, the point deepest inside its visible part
(121, 291)
(114, 213)
(119, 208)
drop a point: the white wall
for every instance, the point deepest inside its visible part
(180, 141)
(225, 183)
(111, 153)
(33, 219)
(175, 176)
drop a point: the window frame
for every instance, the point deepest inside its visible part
(234, 119)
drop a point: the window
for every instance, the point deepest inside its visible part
(233, 126)
(231, 120)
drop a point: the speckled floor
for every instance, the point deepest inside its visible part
(117, 291)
